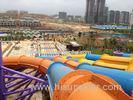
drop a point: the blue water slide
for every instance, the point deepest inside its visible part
(125, 79)
(93, 57)
(126, 55)
(55, 72)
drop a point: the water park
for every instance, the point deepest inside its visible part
(66, 50)
(30, 70)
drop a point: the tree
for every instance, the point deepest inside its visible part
(106, 43)
(79, 34)
(113, 43)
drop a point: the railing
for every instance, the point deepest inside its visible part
(18, 84)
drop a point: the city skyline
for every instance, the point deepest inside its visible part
(50, 7)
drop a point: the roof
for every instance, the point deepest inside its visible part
(2, 34)
(75, 44)
(103, 27)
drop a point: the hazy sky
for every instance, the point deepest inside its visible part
(76, 7)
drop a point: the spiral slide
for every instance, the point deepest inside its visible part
(70, 84)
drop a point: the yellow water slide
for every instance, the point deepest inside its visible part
(115, 62)
(80, 58)
(86, 61)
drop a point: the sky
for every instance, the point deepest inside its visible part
(50, 7)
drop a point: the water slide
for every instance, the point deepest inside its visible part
(62, 75)
(115, 62)
(127, 55)
(125, 79)
(117, 53)
(75, 85)
(93, 57)
(72, 64)
(79, 58)
(15, 62)
(75, 56)
(91, 62)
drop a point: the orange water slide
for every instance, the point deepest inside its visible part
(15, 62)
(86, 85)
(70, 63)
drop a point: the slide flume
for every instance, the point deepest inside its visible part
(125, 79)
(15, 62)
(60, 75)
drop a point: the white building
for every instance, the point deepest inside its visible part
(21, 23)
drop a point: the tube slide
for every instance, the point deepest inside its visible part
(125, 79)
(86, 61)
(75, 56)
(115, 62)
(93, 57)
(67, 84)
(79, 58)
(126, 55)
(15, 62)
(72, 64)
(116, 53)
(46, 57)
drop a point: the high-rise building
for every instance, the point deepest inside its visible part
(111, 17)
(124, 17)
(117, 17)
(106, 10)
(99, 11)
(89, 17)
(63, 15)
(131, 18)
(95, 11)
